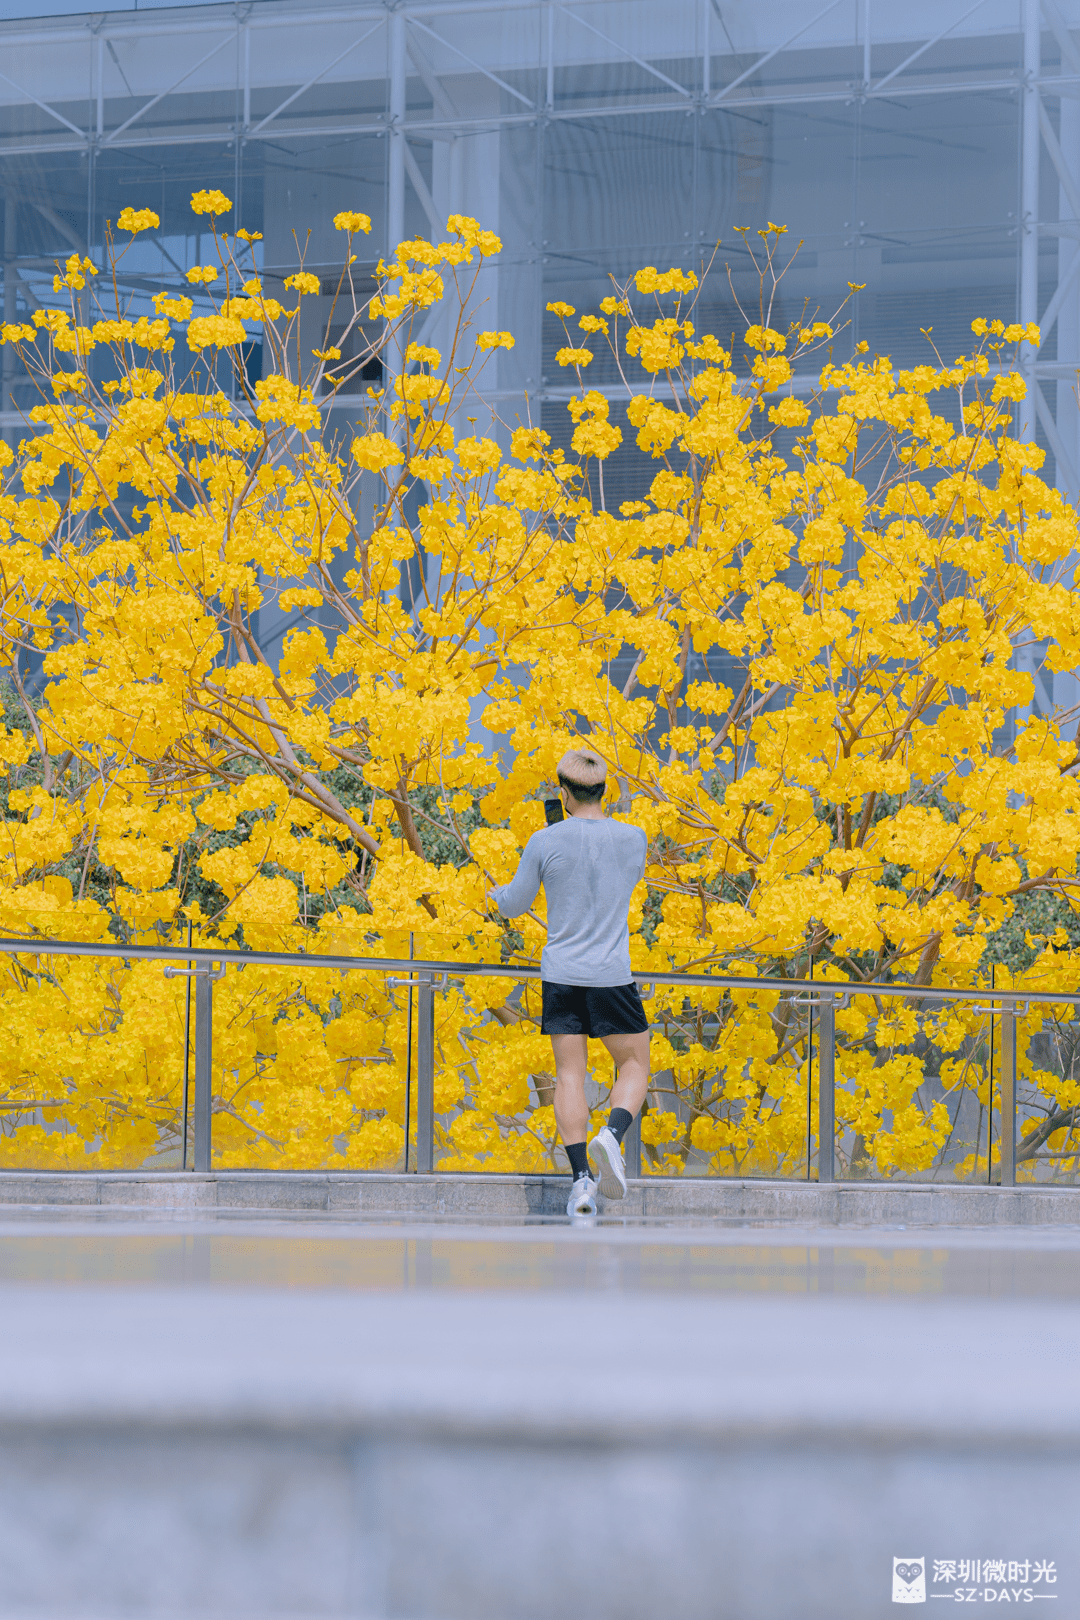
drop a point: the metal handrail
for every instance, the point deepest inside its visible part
(508, 970)
(431, 976)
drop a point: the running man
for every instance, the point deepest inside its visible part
(589, 867)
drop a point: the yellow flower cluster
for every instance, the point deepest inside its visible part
(210, 202)
(75, 273)
(651, 280)
(178, 309)
(214, 331)
(351, 221)
(485, 242)
(138, 219)
(819, 720)
(594, 435)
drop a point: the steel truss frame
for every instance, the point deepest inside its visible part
(412, 28)
(408, 26)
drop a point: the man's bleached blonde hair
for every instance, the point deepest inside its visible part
(583, 774)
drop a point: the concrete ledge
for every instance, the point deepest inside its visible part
(168, 1453)
(518, 1197)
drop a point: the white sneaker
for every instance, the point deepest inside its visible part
(606, 1155)
(582, 1200)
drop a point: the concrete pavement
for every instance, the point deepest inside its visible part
(673, 1423)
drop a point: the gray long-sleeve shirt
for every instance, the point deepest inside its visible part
(589, 869)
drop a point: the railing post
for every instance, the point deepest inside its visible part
(826, 1149)
(185, 1105)
(425, 1075)
(1008, 1095)
(204, 1053)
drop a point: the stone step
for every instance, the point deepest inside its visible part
(261, 1454)
(522, 1197)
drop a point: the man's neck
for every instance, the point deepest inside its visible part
(591, 811)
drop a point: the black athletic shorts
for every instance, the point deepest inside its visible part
(577, 1009)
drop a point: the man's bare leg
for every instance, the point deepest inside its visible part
(572, 1117)
(631, 1057)
(571, 1065)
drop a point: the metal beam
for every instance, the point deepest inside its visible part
(340, 57)
(914, 57)
(394, 354)
(453, 971)
(1049, 426)
(118, 65)
(761, 61)
(494, 77)
(1060, 30)
(427, 202)
(395, 202)
(430, 127)
(163, 93)
(1057, 157)
(439, 97)
(1030, 151)
(99, 85)
(656, 73)
(11, 279)
(44, 105)
(1053, 308)
(29, 294)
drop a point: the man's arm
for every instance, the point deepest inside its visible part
(514, 899)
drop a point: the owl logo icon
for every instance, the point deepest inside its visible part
(909, 1580)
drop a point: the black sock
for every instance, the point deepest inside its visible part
(619, 1122)
(578, 1154)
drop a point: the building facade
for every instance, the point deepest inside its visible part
(929, 153)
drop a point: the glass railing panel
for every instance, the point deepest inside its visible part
(310, 1068)
(1048, 1094)
(913, 1089)
(495, 1080)
(92, 1065)
(321, 1068)
(730, 1091)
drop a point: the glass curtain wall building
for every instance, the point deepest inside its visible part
(929, 152)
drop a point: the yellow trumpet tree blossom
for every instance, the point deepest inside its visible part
(873, 798)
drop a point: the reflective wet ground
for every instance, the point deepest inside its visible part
(325, 1253)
